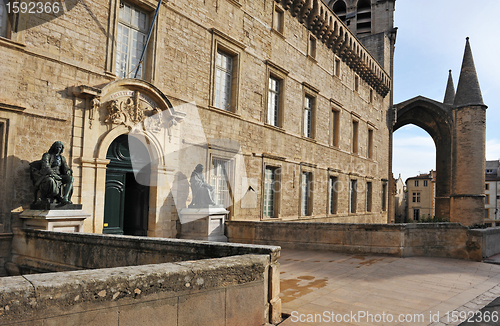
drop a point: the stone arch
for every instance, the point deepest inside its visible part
(436, 119)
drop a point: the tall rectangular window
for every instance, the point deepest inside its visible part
(223, 80)
(356, 83)
(273, 100)
(308, 107)
(416, 197)
(416, 183)
(371, 95)
(305, 205)
(220, 178)
(487, 199)
(353, 196)
(355, 125)
(370, 143)
(384, 197)
(487, 186)
(269, 192)
(486, 213)
(311, 48)
(333, 195)
(426, 183)
(337, 67)
(416, 214)
(368, 196)
(335, 128)
(130, 41)
(279, 17)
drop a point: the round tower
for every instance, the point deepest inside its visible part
(468, 158)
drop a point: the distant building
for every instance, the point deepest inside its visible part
(421, 196)
(492, 193)
(400, 200)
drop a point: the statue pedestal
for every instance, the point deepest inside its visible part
(62, 220)
(203, 223)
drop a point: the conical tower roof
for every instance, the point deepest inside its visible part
(449, 96)
(468, 91)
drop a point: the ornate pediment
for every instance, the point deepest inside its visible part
(131, 108)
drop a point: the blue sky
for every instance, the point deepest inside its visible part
(431, 41)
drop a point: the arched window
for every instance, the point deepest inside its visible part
(364, 19)
(340, 9)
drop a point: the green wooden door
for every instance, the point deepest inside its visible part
(114, 202)
(126, 203)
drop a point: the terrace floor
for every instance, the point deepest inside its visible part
(318, 287)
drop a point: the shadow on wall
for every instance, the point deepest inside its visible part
(17, 192)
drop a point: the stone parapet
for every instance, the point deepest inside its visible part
(224, 291)
(450, 240)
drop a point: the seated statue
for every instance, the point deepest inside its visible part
(52, 176)
(202, 191)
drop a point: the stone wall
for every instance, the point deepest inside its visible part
(110, 276)
(5, 251)
(45, 251)
(451, 240)
(224, 291)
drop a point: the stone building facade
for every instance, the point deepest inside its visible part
(492, 193)
(400, 198)
(282, 102)
(421, 196)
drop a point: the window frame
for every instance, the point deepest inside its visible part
(355, 136)
(384, 196)
(229, 177)
(415, 197)
(309, 189)
(416, 212)
(313, 98)
(224, 43)
(369, 148)
(337, 66)
(426, 183)
(487, 199)
(276, 190)
(276, 72)
(311, 46)
(149, 65)
(416, 183)
(333, 195)
(369, 196)
(335, 126)
(353, 196)
(486, 186)
(278, 19)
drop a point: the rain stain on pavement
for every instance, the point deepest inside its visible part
(295, 288)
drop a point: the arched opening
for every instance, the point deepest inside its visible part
(364, 18)
(340, 9)
(413, 166)
(126, 203)
(435, 119)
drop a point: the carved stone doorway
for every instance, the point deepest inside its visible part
(126, 203)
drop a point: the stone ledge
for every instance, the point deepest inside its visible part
(45, 295)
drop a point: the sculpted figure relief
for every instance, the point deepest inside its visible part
(203, 193)
(52, 176)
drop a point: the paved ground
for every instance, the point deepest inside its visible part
(319, 287)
